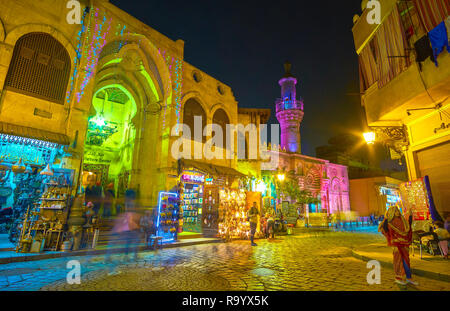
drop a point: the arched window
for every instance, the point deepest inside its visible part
(40, 67)
(221, 118)
(191, 109)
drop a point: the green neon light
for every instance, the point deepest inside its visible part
(150, 82)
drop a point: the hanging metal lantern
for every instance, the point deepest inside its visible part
(19, 167)
(28, 170)
(4, 166)
(47, 171)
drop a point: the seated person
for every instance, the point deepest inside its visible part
(443, 237)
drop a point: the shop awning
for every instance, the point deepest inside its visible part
(29, 132)
(215, 170)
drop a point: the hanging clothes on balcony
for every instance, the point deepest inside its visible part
(424, 50)
(432, 12)
(439, 40)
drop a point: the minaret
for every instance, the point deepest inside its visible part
(289, 112)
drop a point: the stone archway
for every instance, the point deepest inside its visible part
(136, 69)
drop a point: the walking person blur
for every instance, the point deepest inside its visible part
(94, 193)
(263, 225)
(270, 225)
(108, 200)
(147, 226)
(132, 234)
(253, 219)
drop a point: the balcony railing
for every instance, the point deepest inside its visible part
(285, 104)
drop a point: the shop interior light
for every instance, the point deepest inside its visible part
(261, 186)
(100, 121)
(369, 137)
(281, 177)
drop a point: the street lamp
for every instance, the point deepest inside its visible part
(369, 137)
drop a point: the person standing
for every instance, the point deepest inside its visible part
(253, 219)
(443, 236)
(397, 231)
(447, 223)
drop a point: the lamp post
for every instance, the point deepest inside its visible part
(393, 137)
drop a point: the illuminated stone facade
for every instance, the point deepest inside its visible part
(324, 180)
(124, 88)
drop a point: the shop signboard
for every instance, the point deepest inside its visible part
(97, 156)
(192, 177)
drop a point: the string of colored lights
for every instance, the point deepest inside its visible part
(175, 66)
(97, 43)
(77, 59)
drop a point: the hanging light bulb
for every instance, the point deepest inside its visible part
(47, 171)
(18, 167)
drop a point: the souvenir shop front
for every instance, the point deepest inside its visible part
(35, 190)
(213, 201)
(417, 200)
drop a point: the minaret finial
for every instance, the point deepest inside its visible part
(287, 69)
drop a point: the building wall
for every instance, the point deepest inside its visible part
(364, 195)
(419, 86)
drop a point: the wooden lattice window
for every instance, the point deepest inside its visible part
(40, 67)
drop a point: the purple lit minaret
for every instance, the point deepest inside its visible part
(289, 112)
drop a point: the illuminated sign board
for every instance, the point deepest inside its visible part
(192, 177)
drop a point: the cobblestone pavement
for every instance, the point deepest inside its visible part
(305, 261)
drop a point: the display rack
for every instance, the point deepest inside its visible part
(44, 225)
(167, 218)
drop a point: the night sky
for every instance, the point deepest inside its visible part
(245, 43)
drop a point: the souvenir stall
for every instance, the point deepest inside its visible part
(167, 220)
(191, 199)
(232, 219)
(26, 168)
(45, 222)
(417, 200)
(213, 206)
(209, 199)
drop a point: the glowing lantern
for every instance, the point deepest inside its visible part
(100, 121)
(280, 177)
(260, 186)
(369, 137)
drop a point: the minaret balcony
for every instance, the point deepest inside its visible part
(287, 104)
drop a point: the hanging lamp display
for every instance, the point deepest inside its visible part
(18, 167)
(47, 171)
